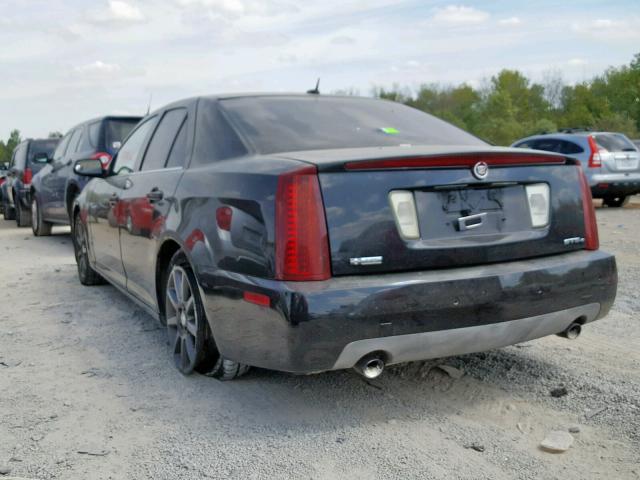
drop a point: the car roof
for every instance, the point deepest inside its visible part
(108, 117)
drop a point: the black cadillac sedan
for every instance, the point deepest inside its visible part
(306, 233)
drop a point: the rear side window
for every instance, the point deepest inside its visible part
(132, 150)
(285, 124)
(163, 138)
(614, 143)
(570, 148)
(548, 145)
(179, 149)
(94, 134)
(62, 147)
(74, 141)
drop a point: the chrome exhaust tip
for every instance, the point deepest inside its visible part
(572, 331)
(370, 366)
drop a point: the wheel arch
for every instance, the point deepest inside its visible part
(71, 192)
(167, 250)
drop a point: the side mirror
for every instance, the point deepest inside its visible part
(42, 157)
(90, 167)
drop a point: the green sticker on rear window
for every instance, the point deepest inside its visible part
(390, 130)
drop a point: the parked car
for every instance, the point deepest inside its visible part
(306, 233)
(4, 169)
(27, 160)
(56, 186)
(610, 160)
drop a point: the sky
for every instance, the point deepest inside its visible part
(66, 61)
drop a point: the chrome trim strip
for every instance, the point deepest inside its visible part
(459, 341)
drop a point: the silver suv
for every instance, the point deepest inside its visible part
(610, 160)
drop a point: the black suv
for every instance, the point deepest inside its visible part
(56, 186)
(28, 158)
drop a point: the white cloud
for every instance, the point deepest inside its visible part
(117, 13)
(577, 62)
(124, 11)
(510, 21)
(459, 15)
(609, 30)
(98, 68)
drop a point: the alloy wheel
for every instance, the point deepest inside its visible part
(182, 320)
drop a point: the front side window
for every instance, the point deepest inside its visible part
(131, 152)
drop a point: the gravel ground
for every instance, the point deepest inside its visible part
(88, 392)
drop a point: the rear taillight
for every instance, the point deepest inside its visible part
(224, 215)
(302, 244)
(27, 176)
(2, 180)
(591, 241)
(105, 159)
(595, 161)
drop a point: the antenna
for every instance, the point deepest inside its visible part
(149, 105)
(315, 91)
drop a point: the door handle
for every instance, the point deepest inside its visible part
(155, 195)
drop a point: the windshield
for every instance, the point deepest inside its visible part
(614, 142)
(287, 124)
(117, 131)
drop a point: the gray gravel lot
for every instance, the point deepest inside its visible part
(88, 392)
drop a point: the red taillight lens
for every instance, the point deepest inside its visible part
(594, 159)
(2, 180)
(105, 159)
(257, 299)
(591, 240)
(27, 176)
(224, 215)
(302, 245)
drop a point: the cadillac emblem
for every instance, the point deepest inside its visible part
(481, 170)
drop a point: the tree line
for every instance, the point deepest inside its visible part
(510, 106)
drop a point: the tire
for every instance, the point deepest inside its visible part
(7, 212)
(190, 340)
(615, 202)
(87, 275)
(39, 227)
(23, 217)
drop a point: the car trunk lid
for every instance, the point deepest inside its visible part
(464, 216)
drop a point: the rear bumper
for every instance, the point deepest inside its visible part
(318, 326)
(614, 184)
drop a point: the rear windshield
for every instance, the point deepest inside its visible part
(38, 147)
(116, 132)
(288, 124)
(614, 143)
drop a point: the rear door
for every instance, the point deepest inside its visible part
(47, 194)
(107, 211)
(146, 204)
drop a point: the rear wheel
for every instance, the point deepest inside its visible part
(23, 216)
(615, 202)
(38, 225)
(190, 339)
(7, 212)
(86, 274)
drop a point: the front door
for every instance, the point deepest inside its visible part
(107, 213)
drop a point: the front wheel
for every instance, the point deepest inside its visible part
(615, 202)
(86, 274)
(7, 212)
(190, 339)
(38, 225)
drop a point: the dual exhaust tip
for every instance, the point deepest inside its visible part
(372, 365)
